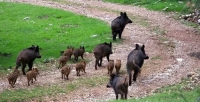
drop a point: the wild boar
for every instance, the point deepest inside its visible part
(79, 52)
(119, 84)
(135, 61)
(27, 56)
(68, 52)
(100, 51)
(32, 74)
(118, 25)
(62, 61)
(12, 77)
(80, 67)
(117, 66)
(65, 71)
(110, 66)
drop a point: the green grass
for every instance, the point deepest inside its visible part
(158, 5)
(23, 25)
(42, 91)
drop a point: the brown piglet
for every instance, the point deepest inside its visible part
(117, 65)
(65, 71)
(110, 66)
(62, 61)
(12, 77)
(32, 74)
(80, 67)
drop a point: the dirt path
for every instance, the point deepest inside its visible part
(169, 51)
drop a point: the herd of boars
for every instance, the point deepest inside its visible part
(118, 82)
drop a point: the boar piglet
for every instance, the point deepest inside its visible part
(32, 75)
(117, 66)
(80, 67)
(12, 77)
(69, 51)
(119, 84)
(62, 61)
(118, 25)
(27, 56)
(79, 52)
(100, 51)
(135, 61)
(110, 66)
(65, 71)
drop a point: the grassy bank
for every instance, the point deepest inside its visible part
(23, 25)
(158, 5)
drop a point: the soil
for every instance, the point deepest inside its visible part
(173, 49)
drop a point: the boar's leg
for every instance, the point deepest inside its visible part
(126, 95)
(120, 33)
(114, 35)
(23, 68)
(67, 76)
(107, 57)
(116, 96)
(122, 96)
(82, 57)
(30, 65)
(100, 64)
(130, 77)
(96, 62)
(136, 71)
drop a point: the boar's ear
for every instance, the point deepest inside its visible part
(137, 46)
(37, 48)
(112, 76)
(32, 47)
(143, 47)
(121, 14)
(83, 48)
(124, 13)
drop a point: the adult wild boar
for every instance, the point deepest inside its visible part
(100, 51)
(27, 56)
(135, 61)
(119, 84)
(118, 25)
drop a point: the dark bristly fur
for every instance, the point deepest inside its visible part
(119, 84)
(118, 25)
(27, 56)
(100, 51)
(135, 61)
(12, 77)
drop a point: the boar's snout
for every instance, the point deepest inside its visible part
(108, 86)
(111, 52)
(129, 21)
(146, 57)
(39, 56)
